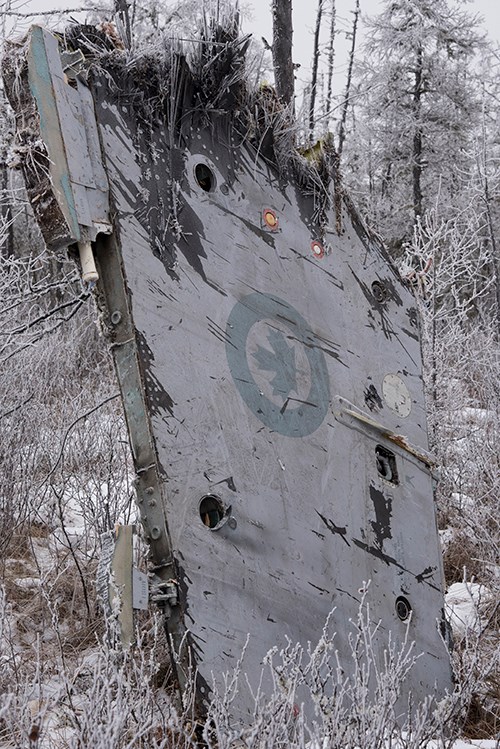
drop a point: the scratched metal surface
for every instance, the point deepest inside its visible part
(247, 339)
(276, 358)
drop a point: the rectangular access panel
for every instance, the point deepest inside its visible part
(267, 352)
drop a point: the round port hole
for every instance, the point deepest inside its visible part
(212, 511)
(204, 177)
(379, 292)
(403, 608)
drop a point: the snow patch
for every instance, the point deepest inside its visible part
(462, 602)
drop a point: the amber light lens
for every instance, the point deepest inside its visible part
(270, 218)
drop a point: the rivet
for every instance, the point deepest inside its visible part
(155, 533)
(116, 317)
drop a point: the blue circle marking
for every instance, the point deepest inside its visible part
(294, 417)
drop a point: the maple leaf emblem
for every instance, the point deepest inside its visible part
(280, 360)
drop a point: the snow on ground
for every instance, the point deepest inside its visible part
(462, 607)
(396, 744)
(446, 536)
(465, 744)
(477, 415)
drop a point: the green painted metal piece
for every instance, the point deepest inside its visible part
(68, 131)
(44, 68)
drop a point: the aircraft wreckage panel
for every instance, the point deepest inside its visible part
(276, 362)
(270, 369)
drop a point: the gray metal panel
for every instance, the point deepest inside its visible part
(92, 136)
(267, 355)
(69, 108)
(88, 178)
(246, 339)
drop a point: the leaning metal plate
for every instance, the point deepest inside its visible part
(247, 331)
(270, 370)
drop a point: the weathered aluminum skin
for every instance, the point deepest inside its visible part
(247, 340)
(273, 361)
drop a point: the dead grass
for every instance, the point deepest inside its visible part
(482, 720)
(460, 559)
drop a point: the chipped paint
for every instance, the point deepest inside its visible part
(382, 505)
(246, 361)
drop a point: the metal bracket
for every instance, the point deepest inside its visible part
(349, 414)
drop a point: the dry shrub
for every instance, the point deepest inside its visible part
(460, 558)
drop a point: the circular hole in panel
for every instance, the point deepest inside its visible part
(379, 291)
(204, 177)
(403, 608)
(212, 511)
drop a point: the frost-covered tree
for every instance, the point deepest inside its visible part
(487, 165)
(416, 106)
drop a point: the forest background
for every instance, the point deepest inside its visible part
(415, 120)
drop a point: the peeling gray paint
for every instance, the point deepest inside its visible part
(247, 359)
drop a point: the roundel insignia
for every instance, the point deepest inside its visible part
(277, 366)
